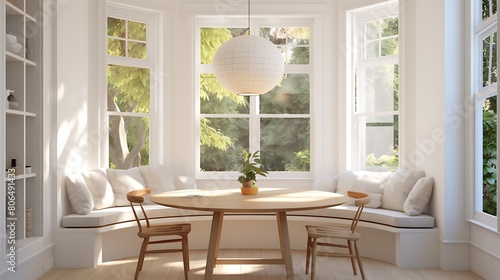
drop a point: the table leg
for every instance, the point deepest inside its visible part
(213, 244)
(286, 252)
(217, 244)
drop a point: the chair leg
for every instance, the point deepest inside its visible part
(308, 253)
(313, 263)
(349, 245)
(185, 255)
(142, 254)
(359, 261)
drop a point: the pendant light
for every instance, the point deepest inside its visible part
(248, 64)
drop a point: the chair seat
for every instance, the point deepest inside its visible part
(332, 232)
(162, 230)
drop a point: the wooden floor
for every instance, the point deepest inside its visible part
(169, 267)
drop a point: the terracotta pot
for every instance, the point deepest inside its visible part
(249, 191)
(247, 184)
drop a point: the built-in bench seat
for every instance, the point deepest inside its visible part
(390, 235)
(116, 215)
(401, 234)
(122, 214)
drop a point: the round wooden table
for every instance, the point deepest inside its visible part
(267, 200)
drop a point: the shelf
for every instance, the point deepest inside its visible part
(26, 241)
(12, 10)
(19, 113)
(14, 57)
(30, 18)
(23, 176)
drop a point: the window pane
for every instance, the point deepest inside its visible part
(212, 38)
(380, 90)
(116, 47)
(137, 30)
(372, 49)
(137, 50)
(490, 156)
(128, 142)
(389, 46)
(116, 27)
(222, 141)
(293, 42)
(381, 142)
(389, 27)
(489, 60)
(489, 8)
(284, 142)
(128, 89)
(372, 30)
(291, 97)
(214, 99)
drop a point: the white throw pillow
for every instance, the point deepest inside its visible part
(123, 181)
(157, 178)
(326, 183)
(398, 187)
(184, 183)
(78, 194)
(375, 200)
(368, 182)
(99, 187)
(419, 197)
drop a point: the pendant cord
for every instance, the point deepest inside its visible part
(248, 17)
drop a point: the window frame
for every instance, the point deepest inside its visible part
(253, 115)
(152, 62)
(355, 158)
(479, 30)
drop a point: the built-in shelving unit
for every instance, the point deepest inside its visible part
(23, 124)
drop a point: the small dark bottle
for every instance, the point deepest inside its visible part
(13, 165)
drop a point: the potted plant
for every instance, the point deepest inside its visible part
(251, 166)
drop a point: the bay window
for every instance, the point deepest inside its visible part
(277, 123)
(484, 92)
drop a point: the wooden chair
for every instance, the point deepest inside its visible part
(146, 231)
(333, 235)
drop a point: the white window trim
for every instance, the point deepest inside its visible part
(256, 23)
(152, 61)
(479, 30)
(352, 141)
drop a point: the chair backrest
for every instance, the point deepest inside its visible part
(137, 197)
(360, 199)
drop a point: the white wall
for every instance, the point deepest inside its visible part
(439, 137)
(75, 79)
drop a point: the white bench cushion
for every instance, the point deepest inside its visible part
(109, 216)
(373, 215)
(114, 215)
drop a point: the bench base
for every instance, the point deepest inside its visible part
(89, 247)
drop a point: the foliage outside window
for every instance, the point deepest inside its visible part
(128, 93)
(375, 94)
(277, 123)
(485, 93)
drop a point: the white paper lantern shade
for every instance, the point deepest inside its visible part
(248, 65)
